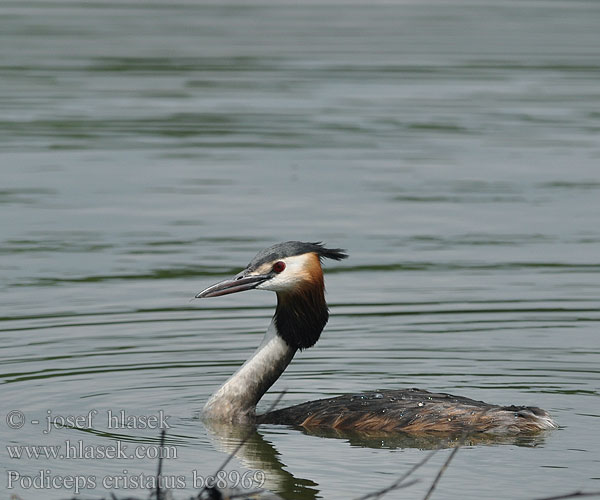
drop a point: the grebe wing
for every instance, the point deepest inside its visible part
(411, 411)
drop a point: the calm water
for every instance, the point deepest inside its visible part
(151, 148)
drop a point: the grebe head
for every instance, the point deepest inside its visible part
(292, 270)
(288, 267)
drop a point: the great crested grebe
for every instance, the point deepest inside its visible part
(293, 270)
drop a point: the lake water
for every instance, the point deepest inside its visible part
(149, 149)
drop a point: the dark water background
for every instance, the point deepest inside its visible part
(151, 148)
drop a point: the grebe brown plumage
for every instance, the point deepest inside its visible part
(293, 270)
(413, 411)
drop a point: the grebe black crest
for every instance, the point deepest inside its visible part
(293, 270)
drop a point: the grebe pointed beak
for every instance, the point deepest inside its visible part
(239, 283)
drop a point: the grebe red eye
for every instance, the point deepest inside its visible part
(278, 266)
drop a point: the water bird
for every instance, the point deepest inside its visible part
(293, 271)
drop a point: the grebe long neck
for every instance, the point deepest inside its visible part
(236, 399)
(297, 324)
